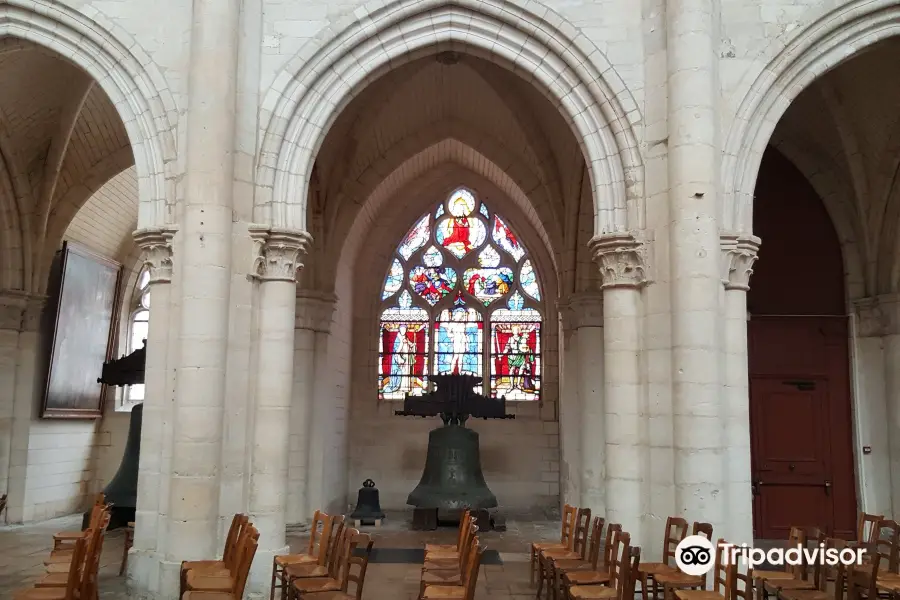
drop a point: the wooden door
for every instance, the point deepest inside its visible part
(792, 467)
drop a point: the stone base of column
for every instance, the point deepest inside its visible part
(260, 581)
(151, 578)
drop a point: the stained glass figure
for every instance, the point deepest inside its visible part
(439, 212)
(529, 281)
(403, 351)
(415, 239)
(432, 283)
(488, 284)
(394, 280)
(458, 337)
(515, 351)
(433, 257)
(489, 257)
(460, 235)
(483, 210)
(506, 239)
(461, 203)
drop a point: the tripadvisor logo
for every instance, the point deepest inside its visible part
(695, 555)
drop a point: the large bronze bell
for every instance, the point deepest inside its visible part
(452, 479)
(121, 492)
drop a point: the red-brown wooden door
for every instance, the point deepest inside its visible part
(792, 472)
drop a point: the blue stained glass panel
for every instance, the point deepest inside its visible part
(415, 239)
(394, 280)
(529, 281)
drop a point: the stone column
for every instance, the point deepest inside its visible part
(315, 311)
(585, 316)
(569, 408)
(889, 309)
(12, 309)
(153, 470)
(204, 282)
(321, 411)
(693, 167)
(622, 262)
(739, 255)
(279, 257)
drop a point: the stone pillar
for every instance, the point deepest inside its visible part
(622, 262)
(739, 254)
(693, 167)
(156, 427)
(12, 309)
(889, 309)
(569, 408)
(279, 255)
(585, 318)
(315, 311)
(203, 285)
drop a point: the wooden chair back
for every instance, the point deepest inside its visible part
(887, 544)
(619, 560)
(97, 512)
(317, 519)
(866, 527)
(676, 530)
(740, 585)
(76, 568)
(567, 533)
(91, 570)
(355, 570)
(609, 544)
(328, 527)
(815, 538)
(464, 522)
(861, 579)
(796, 538)
(470, 575)
(704, 529)
(245, 561)
(237, 525)
(596, 546)
(828, 573)
(630, 574)
(582, 528)
(348, 546)
(468, 544)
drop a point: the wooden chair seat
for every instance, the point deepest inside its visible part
(306, 571)
(57, 567)
(679, 579)
(564, 565)
(440, 548)
(698, 595)
(316, 584)
(197, 565)
(560, 554)
(67, 536)
(546, 546)
(763, 575)
(442, 564)
(205, 583)
(444, 592)
(282, 560)
(443, 555)
(53, 580)
(203, 595)
(586, 577)
(46, 593)
(655, 569)
(789, 584)
(442, 578)
(329, 596)
(806, 595)
(890, 586)
(587, 592)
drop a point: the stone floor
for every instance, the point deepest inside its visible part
(23, 548)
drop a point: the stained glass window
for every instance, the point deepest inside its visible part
(138, 330)
(440, 300)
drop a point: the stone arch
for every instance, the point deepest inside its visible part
(309, 94)
(126, 74)
(779, 75)
(15, 247)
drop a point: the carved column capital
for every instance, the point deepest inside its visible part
(156, 248)
(581, 309)
(622, 259)
(315, 310)
(739, 253)
(20, 311)
(878, 315)
(278, 253)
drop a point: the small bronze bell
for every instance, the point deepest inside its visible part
(368, 507)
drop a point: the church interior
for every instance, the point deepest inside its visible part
(453, 324)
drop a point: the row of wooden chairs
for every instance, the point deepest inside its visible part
(223, 579)
(73, 565)
(450, 571)
(329, 565)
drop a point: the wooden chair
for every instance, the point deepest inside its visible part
(557, 567)
(830, 576)
(796, 538)
(58, 576)
(676, 530)
(464, 521)
(74, 579)
(332, 562)
(448, 556)
(3, 500)
(739, 586)
(62, 539)
(719, 589)
(358, 578)
(239, 524)
(622, 585)
(577, 551)
(566, 537)
(239, 581)
(126, 546)
(322, 579)
(279, 561)
(331, 530)
(62, 561)
(866, 527)
(600, 575)
(222, 580)
(462, 592)
(886, 544)
(862, 580)
(447, 572)
(803, 579)
(682, 581)
(339, 582)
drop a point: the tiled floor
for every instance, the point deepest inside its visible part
(23, 549)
